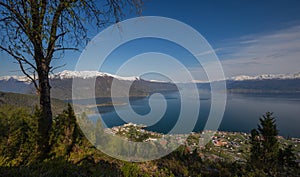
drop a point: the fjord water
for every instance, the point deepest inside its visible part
(242, 112)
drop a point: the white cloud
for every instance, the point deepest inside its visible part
(209, 52)
(276, 52)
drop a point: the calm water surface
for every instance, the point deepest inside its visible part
(242, 112)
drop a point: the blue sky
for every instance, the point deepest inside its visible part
(249, 37)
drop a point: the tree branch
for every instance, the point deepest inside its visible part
(27, 75)
(52, 69)
(53, 31)
(19, 59)
(66, 48)
(19, 19)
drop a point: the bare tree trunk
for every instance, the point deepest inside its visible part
(45, 120)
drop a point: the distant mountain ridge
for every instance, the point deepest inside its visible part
(265, 77)
(88, 74)
(62, 84)
(264, 86)
(66, 74)
(266, 83)
(29, 101)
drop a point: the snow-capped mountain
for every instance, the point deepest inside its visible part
(266, 77)
(92, 74)
(88, 74)
(61, 84)
(71, 75)
(24, 79)
(266, 83)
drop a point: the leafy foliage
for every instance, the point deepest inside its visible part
(29, 102)
(65, 132)
(17, 135)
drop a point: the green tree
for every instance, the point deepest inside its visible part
(17, 135)
(265, 148)
(286, 157)
(130, 170)
(66, 132)
(33, 32)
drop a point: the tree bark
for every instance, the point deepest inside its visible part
(45, 119)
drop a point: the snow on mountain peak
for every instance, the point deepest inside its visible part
(266, 76)
(76, 74)
(87, 74)
(91, 74)
(17, 78)
(70, 75)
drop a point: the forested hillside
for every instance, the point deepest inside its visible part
(71, 154)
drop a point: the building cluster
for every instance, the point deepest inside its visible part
(229, 140)
(233, 144)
